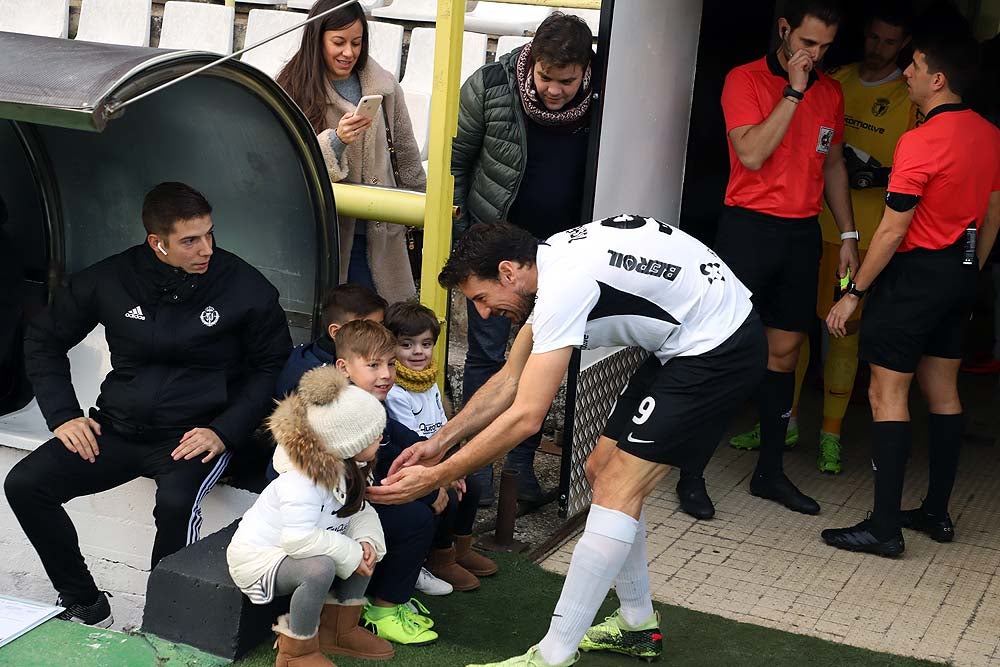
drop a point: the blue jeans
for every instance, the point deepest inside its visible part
(487, 350)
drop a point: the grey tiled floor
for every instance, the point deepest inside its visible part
(760, 563)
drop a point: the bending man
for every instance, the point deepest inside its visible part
(620, 281)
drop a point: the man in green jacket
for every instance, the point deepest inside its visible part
(520, 156)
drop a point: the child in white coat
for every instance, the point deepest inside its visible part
(311, 534)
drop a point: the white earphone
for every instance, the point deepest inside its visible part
(159, 246)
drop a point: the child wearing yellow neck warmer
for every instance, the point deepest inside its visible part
(415, 401)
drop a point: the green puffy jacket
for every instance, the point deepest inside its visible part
(490, 150)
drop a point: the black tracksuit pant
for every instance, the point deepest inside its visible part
(51, 475)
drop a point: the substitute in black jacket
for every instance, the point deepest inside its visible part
(197, 339)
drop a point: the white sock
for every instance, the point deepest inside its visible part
(632, 582)
(596, 561)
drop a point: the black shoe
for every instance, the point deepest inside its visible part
(783, 491)
(97, 614)
(938, 526)
(528, 488)
(694, 498)
(860, 538)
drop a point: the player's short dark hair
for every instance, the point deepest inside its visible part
(827, 11)
(952, 51)
(344, 302)
(897, 13)
(481, 249)
(169, 202)
(410, 318)
(562, 40)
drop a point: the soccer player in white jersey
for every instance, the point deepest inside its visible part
(626, 280)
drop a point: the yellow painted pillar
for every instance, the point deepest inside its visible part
(440, 182)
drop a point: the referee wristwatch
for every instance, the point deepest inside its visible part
(852, 288)
(795, 95)
(853, 234)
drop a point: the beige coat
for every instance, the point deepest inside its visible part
(366, 160)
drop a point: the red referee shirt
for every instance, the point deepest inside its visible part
(952, 162)
(790, 182)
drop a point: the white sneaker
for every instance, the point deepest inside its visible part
(428, 584)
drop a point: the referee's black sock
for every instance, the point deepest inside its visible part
(944, 445)
(774, 404)
(889, 453)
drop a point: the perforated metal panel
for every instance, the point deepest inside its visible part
(597, 387)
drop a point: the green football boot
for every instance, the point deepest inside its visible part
(829, 454)
(533, 658)
(645, 641)
(396, 624)
(751, 439)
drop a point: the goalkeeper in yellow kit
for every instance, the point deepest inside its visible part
(877, 110)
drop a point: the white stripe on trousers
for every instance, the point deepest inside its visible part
(194, 523)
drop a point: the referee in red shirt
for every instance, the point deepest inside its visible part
(785, 123)
(940, 222)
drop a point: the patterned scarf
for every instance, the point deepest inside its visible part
(416, 381)
(573, 114)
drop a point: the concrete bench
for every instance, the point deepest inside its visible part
(508, 43)
(385, 45)
(272, 56)
(193, 586)
(198, 27)
(419, 73)
(497, 18)
(47, 18)
(123, 22)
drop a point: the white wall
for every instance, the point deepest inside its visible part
(647, 107)
(116, 537)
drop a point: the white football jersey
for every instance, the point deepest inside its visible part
(634, 281)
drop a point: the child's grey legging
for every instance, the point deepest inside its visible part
(309, 580)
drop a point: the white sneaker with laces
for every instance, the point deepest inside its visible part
(428, 584)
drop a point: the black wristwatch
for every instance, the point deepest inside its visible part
(791, 92)
(853, 289)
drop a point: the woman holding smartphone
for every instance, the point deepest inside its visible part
(327, 78)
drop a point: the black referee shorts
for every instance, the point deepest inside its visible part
(778, 260)
(677, 412)
(918, 306)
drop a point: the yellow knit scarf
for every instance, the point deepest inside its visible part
(416, 381)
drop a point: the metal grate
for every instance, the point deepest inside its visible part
(597, 387)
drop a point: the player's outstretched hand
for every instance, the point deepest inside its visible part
(426, 452)
(405, 485)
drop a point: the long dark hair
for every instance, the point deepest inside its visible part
(357, 483)
(304, 76)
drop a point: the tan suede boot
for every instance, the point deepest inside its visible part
(441, 563)
(339, 632)
(472, 560)
(295, 650)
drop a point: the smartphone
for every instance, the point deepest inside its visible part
(368, 106)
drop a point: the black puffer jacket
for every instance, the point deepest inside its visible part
(186, 350)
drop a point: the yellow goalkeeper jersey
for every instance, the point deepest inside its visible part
(875, 116)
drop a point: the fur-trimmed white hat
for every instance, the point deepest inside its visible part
(326, 416)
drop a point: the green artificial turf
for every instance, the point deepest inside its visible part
(510, 612)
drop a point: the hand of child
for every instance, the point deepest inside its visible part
(459, 486)
(441, 502)
(367, 565)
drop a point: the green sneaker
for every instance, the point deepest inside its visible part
(533, 658)
(396, 625)
(419, 613)
(829, 454)
(751, 439)
(645, 641)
